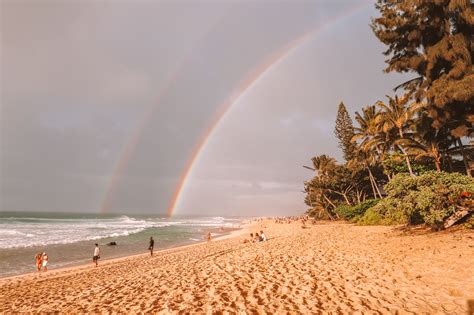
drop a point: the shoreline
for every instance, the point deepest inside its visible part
(323, 268)
(228, 232)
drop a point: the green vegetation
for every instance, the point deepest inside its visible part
(404, 157)
(344, 131)
(354, 213)
(429, 198)
(470, 224)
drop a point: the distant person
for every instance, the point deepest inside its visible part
(44, 261)
(39, 261)
(257, 238)
(263, 237)
(252, 238)
(152, 244)
(208, 236)
(96, 257)
(249, 240)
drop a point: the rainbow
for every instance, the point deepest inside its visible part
(254, 76)
(133, 140)
(244, 86)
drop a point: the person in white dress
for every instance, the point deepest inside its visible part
(96, 257)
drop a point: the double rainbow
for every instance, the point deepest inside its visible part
(245, 85)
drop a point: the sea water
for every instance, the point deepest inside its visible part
(69, 238)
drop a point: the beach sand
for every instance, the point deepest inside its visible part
(328, 267)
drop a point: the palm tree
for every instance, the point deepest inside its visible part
(427, 142)
(362, 160)
(374, 141)
(317, 200)
(368, 130)
(373, 146)
(428, 149)
(398, 116)
(323, 164)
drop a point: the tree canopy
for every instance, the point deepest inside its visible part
(344, 131)
(433, 39)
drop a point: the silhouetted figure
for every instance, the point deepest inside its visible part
(152, 244)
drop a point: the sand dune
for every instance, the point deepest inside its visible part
(326, 268)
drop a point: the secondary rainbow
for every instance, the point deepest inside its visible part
(133, 140)
(244, 86)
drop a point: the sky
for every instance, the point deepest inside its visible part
(191, 107)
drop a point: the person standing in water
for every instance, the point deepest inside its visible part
(39, 261)
(44, 260)
(152, 244)
(96, 256)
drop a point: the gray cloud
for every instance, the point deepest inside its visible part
(79, 78)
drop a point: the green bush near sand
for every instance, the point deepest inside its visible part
(429, 198)
(386, 212)
(352, 213)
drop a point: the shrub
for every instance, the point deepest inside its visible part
(353, 212)
(384, 212)
(470, 223)
(395, 164)
(371, 217)
(429, 198)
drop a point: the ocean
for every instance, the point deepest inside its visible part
(69, 238)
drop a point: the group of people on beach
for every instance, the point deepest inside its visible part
(304, 219)
(257, 238)
(42, 258)
(41, 262)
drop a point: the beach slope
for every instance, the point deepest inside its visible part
(326, 267)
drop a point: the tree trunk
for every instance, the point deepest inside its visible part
(437, 157)
(383, 165)
(450, 162)
(358, 194)
(407, 159)
(327, 210)
(443, 159)
(343, 195)
(372, 184)
(438, 166)
(376, 186)
(347, 199)
(464, 158)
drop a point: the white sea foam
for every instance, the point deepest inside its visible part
(16, 232)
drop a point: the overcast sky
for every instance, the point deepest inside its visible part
(82, 80)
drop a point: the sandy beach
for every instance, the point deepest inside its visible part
(328, 267)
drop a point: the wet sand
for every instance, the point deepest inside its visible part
(324, 268)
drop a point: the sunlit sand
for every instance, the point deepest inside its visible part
(326, 267)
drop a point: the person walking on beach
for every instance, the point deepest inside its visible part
(208, 236)
(44, 262)
(152, 244)
(39, 261)
(96, 257)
